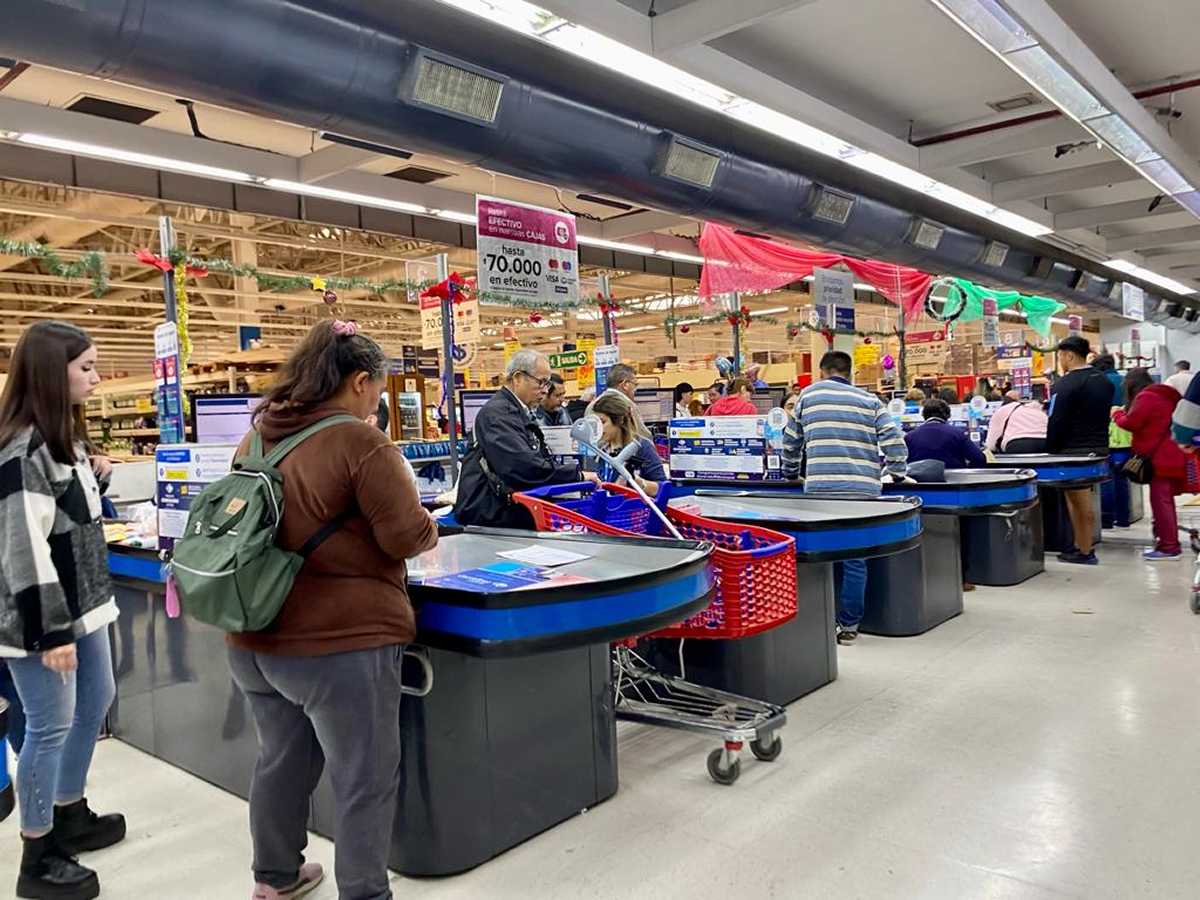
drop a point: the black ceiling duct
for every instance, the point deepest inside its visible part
(420, 75)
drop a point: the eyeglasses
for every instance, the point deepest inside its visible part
(541, 382)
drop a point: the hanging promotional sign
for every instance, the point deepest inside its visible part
(832, 287)
(866, 355)
(527, 252)
(510, 348)
(1135, 343)
(1075, 324)
(991, 323)
(431, 323)
(1022, 378)
(1133, 302)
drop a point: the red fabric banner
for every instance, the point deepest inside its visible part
(736, 262)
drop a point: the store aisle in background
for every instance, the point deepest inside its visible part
(1044, 744)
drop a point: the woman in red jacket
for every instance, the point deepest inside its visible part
(1147, 413)
(736, 401)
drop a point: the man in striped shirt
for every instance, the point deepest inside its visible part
(839, 433)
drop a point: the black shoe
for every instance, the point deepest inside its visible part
(1080, 559)
(50, 873)
(846, 636)
(79, 830)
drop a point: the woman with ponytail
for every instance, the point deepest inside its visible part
(323, 681)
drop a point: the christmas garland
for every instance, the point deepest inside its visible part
(794, 329)
(741, 317)
(91, 263)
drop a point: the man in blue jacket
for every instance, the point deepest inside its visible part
(937, 439)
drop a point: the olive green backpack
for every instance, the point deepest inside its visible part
(228, 570)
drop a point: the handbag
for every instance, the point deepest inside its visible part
(1139, 468)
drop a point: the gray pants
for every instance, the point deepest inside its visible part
(345, 708)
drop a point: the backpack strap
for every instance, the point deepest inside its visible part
(290, 443)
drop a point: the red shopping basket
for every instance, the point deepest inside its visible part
(755, 567)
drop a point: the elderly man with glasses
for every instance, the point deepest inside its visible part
(507, 451)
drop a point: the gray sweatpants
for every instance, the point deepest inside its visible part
(344, 707)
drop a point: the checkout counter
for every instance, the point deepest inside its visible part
(510, 725)
(998, 520)
(796, 658)
(1056, 473)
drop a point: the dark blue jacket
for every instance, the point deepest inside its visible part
(646, 463)
(939, 440)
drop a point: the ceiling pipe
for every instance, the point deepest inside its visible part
(363, 69)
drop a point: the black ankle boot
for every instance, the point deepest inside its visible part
(49, 873)
(79, 830)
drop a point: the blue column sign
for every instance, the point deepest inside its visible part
(169, 393)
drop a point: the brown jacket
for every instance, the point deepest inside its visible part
(351, 594)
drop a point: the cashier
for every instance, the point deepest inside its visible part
(937, 439)
(507, 451)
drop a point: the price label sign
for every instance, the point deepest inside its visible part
(527, 252)
(431, 323)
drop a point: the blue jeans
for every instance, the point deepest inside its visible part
(16, 713)
(62, 723)
(851, 575)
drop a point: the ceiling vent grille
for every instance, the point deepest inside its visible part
(458, 90)
(689, 163)
(417, 175)
(111, 109)
(832, 206)
(926, 234)
(995, 254)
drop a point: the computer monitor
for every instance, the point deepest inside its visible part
(469, 405)
(655, 404)
(223, 418)
(769, 398)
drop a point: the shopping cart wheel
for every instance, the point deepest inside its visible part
(767, 752)
(723, 775)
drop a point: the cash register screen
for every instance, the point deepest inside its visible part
(469, 404)
(656, 404)
(767, 399)
(223, 418)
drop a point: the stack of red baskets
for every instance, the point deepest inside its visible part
(755, 567)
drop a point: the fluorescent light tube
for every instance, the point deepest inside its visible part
(465, 218)
(614, 245)
(315, 190)
(1124, 265)
(132, 157)
(684, 257)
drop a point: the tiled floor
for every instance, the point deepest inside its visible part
(1044, 744)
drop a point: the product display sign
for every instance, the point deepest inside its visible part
(839, 318)
(866, 355)
(431, 323)
(726, 448)
(1022, 378)
(1133, 302)
(182, 472)
(527, 252)
(605, 357)
(991, 323)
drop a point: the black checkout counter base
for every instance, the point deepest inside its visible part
(502, 750)
(777, 666)
(1004, 549)
(1059, 535)
(912, 592)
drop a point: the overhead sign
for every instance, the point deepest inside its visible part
(569, 359)
(925, 354)
(924, 337)
(431, 323)
(1133, 302)
(832, 287)
(527, 252)
(585, 374)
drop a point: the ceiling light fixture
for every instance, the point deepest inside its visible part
(454, 216)
(325, 193)
(1129, 268)
(98, 151)
(533, 21)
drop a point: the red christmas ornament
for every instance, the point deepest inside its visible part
(734, 320)
(534, 318)
(866, 340)
(746, 311)
(793, 331)
(685, 328)
(329, 297)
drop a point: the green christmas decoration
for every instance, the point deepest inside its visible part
(90, 265)
(964, 302)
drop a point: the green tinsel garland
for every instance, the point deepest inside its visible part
(670, 323)
(797, 327)
(90, 264)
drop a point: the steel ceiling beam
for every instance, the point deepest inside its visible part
(1167, 238)
(1065, 181)
(1113, 212)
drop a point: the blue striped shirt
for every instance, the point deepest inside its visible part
(840, 432)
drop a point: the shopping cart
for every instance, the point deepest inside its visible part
(755, 571)
(1189, 524)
